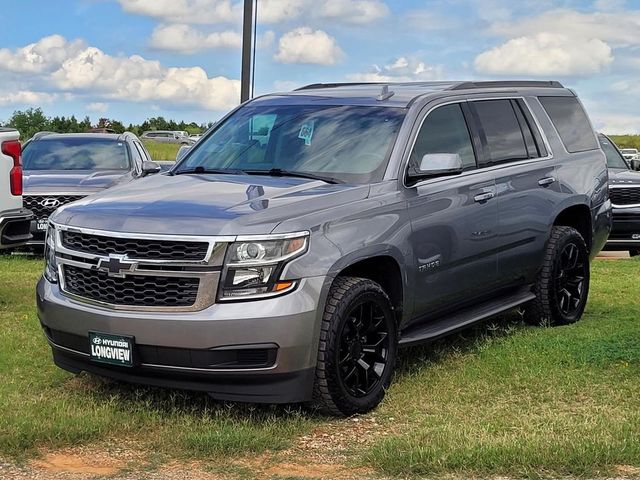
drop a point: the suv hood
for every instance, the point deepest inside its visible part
(206, 204)
(623, 177)
(70, 181)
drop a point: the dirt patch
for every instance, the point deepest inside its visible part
(70, 463)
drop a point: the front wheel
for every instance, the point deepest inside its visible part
(562, 286)
(357, 351)
(634, 252)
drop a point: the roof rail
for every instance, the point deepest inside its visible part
(507, 83)
(126, 134)
(38, 135)
(313, 86)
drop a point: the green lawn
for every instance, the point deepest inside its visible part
(502, 399)
(162, 151)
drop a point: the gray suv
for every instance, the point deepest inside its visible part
(311, 234)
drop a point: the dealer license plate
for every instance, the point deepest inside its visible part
(112, 349)
(41, 224)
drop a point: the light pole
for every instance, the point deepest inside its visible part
(247, 41)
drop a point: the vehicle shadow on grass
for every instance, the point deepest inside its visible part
(417, 357)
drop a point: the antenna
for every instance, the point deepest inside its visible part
(385, 93)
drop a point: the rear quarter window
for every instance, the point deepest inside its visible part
(571, 122)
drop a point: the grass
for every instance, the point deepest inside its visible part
(626, 141)
(162, 151)
(502, 399)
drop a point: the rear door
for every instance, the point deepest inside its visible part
(453, 218)
(526, 184)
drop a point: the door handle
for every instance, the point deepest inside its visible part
(483, 197)
(543, 182)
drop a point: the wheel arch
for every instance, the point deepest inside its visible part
(577, 216)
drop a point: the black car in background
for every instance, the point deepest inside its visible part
(624, 190)
(62, 168)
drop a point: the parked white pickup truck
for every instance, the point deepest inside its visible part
(14, 219)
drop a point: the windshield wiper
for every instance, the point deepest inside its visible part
(202, 170)
(279, 172)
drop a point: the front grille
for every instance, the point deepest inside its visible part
(52, 202)
(625, 196)
(140, 249)
(133, 290)
(258, 357)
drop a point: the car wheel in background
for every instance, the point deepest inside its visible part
(634, 252)
(357, 351)
(562, 286)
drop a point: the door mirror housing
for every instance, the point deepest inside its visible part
(149, 168)
(635, 164)
(437, 165)
(182, 151)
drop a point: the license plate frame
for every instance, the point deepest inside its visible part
(111, 349)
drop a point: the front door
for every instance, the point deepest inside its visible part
(453, 219)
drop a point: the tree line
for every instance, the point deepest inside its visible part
(32, 120)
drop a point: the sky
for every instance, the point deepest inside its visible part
(134, 59)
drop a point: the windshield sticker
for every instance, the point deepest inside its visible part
(306, 133)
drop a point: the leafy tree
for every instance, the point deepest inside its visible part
(28, 122)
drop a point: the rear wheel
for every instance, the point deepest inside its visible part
(562, 286)
(357, 351)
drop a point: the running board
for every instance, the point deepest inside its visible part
(458, 321)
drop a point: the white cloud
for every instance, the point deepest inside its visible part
(616, 123)
(304, 45)
(618, 29)
(546, 54)
(25, 97)
(609, 5)
(186, 39)
(186, 11)
(97, 107)
(105, 77)
(402, 69)
(353, 11)
(285, 85)
(210, 12)
(41, 56)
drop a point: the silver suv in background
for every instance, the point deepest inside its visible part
(14, 219)
(309, 235)
(168, 136)
(60, 168)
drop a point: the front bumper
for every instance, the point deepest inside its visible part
(168, 345)
(625, 234)
(15, 228)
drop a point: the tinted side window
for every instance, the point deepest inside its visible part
(504, 140)
(572, 123)
(444, 131)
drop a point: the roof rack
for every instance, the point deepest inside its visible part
(313, 86)
(507, 83)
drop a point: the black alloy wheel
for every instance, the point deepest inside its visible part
(570, 277)
(364, 348)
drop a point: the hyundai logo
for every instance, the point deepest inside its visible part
(50, 202)
(116, 265)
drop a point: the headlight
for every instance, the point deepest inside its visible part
(50, 265)
(253, 266)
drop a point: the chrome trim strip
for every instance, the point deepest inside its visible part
(170, 367)
(623, 241)
(272, 236)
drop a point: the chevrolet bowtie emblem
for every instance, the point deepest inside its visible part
(116, 265)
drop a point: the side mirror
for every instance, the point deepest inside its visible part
(438, 165)
(149, 167)
(635, 164)
(182, 151)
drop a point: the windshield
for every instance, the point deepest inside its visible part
(614, 159)
(347, 143)
(629, 151)
(76, 153)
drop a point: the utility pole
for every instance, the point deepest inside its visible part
(247, 37)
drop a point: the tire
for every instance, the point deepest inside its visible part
(562, 285)
(358, 321)
(634, 252)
